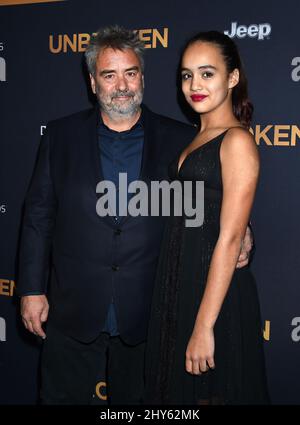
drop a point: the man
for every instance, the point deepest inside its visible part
(100, 269)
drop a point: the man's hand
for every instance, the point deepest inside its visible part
(243, 259)
(34, 312)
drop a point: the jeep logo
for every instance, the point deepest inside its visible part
(260, 31)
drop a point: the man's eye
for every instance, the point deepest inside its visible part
(108, 76)
(185, 76)
(131, 74)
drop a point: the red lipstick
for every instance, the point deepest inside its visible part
(198, 97)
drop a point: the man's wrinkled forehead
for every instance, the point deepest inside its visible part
(109, 57)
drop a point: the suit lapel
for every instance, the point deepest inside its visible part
(96, 168)
(150, 145)
(150, 153)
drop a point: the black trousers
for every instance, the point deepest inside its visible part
(105, 371)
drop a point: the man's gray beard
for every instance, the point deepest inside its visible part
(115, 111)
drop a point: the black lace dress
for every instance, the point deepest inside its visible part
(239, 376)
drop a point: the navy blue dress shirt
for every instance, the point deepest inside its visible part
(120, 152)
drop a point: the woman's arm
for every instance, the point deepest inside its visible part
(240, 170)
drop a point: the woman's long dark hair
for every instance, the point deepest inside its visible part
(242, 107)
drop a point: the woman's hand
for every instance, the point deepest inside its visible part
(200, 351)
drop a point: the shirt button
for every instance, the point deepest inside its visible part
(115, 267)
(118, 232)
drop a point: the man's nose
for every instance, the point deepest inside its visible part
(122, 83)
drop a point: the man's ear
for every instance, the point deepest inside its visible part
(234, 78)
(93, 83)
(143, 81)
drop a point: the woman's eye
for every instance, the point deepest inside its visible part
(185, 76)
(207, 74)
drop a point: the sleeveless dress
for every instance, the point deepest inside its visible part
(239, 376)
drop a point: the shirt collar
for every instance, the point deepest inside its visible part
(138, 124)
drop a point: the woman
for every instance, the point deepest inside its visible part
(205, 340)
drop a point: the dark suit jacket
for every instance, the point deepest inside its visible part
(89, 258)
